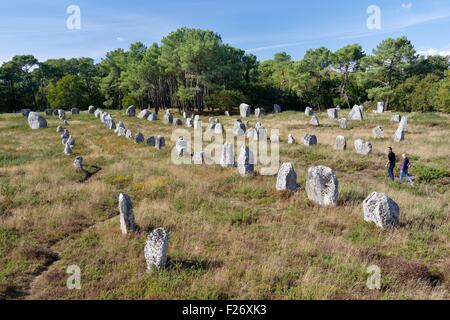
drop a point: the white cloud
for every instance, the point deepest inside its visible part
(120, 39)
(434, 52)
(407, 6)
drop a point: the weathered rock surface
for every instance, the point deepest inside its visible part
(341, 143)
(356, 113)
(343, 123)
(245, 162)
(78, 163)
(35, 121)
(156, 248)
(127, 222)
(160, 142)
(131, 111)
(332, 113)
(378, 132)
(309, 112)
(144, 114)
(276, 108)
(381, 210)
(139, 138)
(309, 140)
(322, 186)
(315, 121)
(286, 178)
(245, 110)
(363, 147)
(291, 139)
(75, 111)
(227, 155)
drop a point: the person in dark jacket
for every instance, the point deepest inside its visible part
(391, 163)
(404, 170)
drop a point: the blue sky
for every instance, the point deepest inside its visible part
(262, 27)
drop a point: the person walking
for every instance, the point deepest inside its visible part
(391, 163)
(404, 170)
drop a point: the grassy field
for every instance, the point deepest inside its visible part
(230, 237)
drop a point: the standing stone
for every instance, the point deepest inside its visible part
(71, 141)
(144, 114)
(177, 122)
(35, 121)
(363, 147)
(59, 129)
(61, 114)
(309, 140)
(25, 112)
(200, 157)
(227, 113)
(381, 210)
(98, 113)
(67, 149)
(341, 143)
(332, 113)
(396, 118)
(66, 123)
(251, 133)
(65, 134)
(356, 113)
(239, 128)
(380, 107)
(168, 117)
(291, 139)
(322, 186)
(378, 132)
(127, 223)
(152, 117)
(186, 114)
(48, 112)
(399, 135)
(91, 109)
(276, 108)
(245, 162)
(121, 132)
(197, 123)
(139, 138)
(160, 142)
(151, 141)
(287, 178)
(112, 124)
(343, 123)
(260, 134)
(189, 123)
(55, 112)
(245, 110)
(78, 163)
(309, 112)
(404, 124)
(315, 121)
(218, 129)
(128, 134)
(181, 147)
(121, 125)
(75, 111)
(227, 155)
(259, 112)
(274, 138)
(156, 249)
(131, 111)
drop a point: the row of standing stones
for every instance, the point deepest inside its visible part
(321, 186)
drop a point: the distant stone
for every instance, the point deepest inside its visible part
(150, 141)
(245, 110)
(35, 121)
(168, 117)
(121, 132)
(380, 107)
(218, 129)
(139, 138)
(78, 163)
(276, 108)
(91, 109)
(120, 126)
(227, 155)
(197, 124)
(189, 122)
(61, 114)
(177, 122)
(245, 162)
(404, 124)
(343, 122)
(181, 147)
(131, 111)
(67, 149)
(378, 132)
(200, 157)
(127, 223)
(75, 111)
(356, 113)
(65, 135)
(381, 210)
(396, 118)
(66, 123)
(111, 124)
(291, 139)
(186, 114)
(48, 112)
(156, 248)
(144, 114)
(160, 142)
(399, 135)
(152, 117)
(309, 140)
(309, 112)
(315, 121)
(25, 112)
(128, 134)
(259, 112)
(227, 113)
(341, 143)
(287, 178)
(322, 186)
(332, 113)
(274, 137)
(363, 147)
(98, 113)
(71, 141)
(59, 129)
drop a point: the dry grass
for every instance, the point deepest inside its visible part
(230, 238)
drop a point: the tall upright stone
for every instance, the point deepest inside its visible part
(68, 149)
(152, 117)
(286, 178)
(168, 117)
(245, 162)
(25, 112)
(91, 109)
(315, 121)
(403, 124)
(78, 163)
(332, 113)
(381, 210)
(380, 107)
(160, 142)
(356, 113)
(227, 155)
(322, 186)
(399, 135)
(259, 112)
(131, 111)
(245, 110)
(341, 143)
(343, 123)
(127, 222)
(309, 112)
(156, 248)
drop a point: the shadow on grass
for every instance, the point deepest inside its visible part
(89, 171)
(192, 264)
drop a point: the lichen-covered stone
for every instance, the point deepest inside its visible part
(343, 122)
(322, 186)
(381, 210)
(356, 113)
(341, 143)
(245, 162)
(378, 132)
(35, 121)
(127, 222)
(363, 147)
(286, 178)
(245, 110)
(156, 248)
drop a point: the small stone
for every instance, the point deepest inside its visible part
(291, 139)
(276, 108)
(227, 113)
(287, 178)
(189, 122)
(245, 162)
(378, 132)
(151, 141)
(128, 134)
(131, 111)
(186, 114)
(363, 147)
(259, 112)
(59, 129)
(144, 114)
(322, 186)
(380, 107)
(245, 110)
(139, 138)
(156, 248)
(168, 117)
(239, 128)
(177, 122)
(332, 113)
(315, 121)
(35, 121)
(71, 141)
(61, 114)
(399, 135)
(309, 140)
(343, 123)
(160, 142)
(127, 223)
(91, 109)
(75, 111)
(381, 210)
(111, 125)
(152, 117)
(218, 129)
(98, 113)
(227, 155)
(48, 112)
(309, 112)
(78, 163)
(66, 123)
(181, 147)
(356, 113)
(396, 118)
(67, 149)
(341, 143)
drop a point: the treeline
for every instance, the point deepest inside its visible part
(194, 70)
